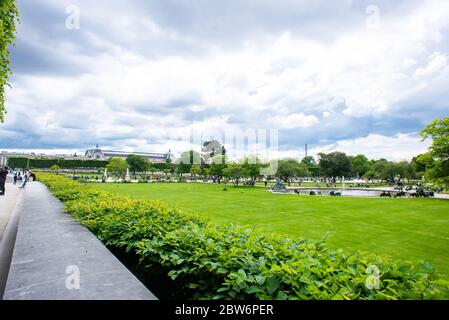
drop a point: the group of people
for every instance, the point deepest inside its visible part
(21, 177)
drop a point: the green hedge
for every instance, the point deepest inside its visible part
(210, 261)
(18, 162)
(43, 163)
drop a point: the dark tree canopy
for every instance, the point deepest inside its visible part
(335, 164)
(137, 163)
(360, 164)
(9, 17)
(437, 160)
(290, 168)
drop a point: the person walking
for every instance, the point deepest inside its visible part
(3, 174)
(25, 180)
(14, 178)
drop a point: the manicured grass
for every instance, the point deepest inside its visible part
(410, 229)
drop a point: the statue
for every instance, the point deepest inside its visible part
(127, 175)
(279, 187)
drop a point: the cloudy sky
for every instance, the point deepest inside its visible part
(354, 76)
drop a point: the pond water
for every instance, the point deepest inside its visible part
(344, 192)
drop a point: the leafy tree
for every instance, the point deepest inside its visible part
(251, 166)
(218, 164)
(335, 164)
(312, 166)
(118, 166)
(9, 17)
(388, 170)
(186, 160)
(360, 164)
(55, 168)
(195, 170)
(137, 163)
(423, 161)
(190, 157)
(438, 169)
(438, 130)
(309, 161)
(290, 168)
(234, 172)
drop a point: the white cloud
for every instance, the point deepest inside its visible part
(139, 97)
(296, 120)
(374, 146)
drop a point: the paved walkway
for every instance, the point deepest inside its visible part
(7, 205)
(53, 254)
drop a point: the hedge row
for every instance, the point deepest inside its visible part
(210, 261)
(41, 163)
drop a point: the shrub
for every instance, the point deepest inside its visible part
(210, 261)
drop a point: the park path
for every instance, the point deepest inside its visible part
(7, 205)
(56, 258)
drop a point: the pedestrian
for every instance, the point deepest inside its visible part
(3, 174)
(14, 178)
(25, 180)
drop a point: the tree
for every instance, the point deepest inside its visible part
(360, 164)
(438, 130)
(234, 172)
(289, 168)
(312, 166)
(437, 170)
(186, 160)
(388, 170)
(9, 17)
(250, 167)
(118, 166)
(309, 161)
(423, 162)
(137, 163)
(218, 164)
(55, 168)
(195, 170)
(335, 164)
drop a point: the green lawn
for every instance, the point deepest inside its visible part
(410, 229)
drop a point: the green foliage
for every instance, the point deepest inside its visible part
(9, 17)
(18, 162)
(117, 165)
(438, 130)
(360, 164)
(438, 170)
(290, 168)
(55, 168)
(309, 161)
(195, 170)
(187, 160)
(234, 172)
(335, 164)
(209, 261)
(43, 163)
(137, 163)
(388, 170)
(422, 162)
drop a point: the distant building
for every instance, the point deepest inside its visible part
(100, 154)
(94, 154)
